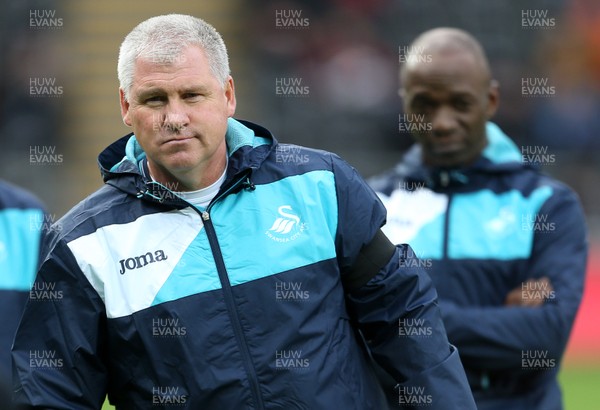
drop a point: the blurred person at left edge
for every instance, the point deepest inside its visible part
(22, 217)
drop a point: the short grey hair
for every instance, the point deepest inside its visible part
(163, 39)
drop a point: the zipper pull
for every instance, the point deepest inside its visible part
(205, 216)
(248, 184)
(444, 178)
(485, 381)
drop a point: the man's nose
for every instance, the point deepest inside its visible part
(444, 121)
(175, 116)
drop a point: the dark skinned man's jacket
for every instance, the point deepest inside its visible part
(480, 232)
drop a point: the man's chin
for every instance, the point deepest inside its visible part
(455, 160)
(449, 158)
(176, 166)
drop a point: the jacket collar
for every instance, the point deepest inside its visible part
(122, 164)
(501, 155)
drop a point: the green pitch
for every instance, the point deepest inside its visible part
(581, 387)
(107, 406)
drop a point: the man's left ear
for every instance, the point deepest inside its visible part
(230, 95)
(493, 98)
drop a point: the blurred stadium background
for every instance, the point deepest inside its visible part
(342, 58)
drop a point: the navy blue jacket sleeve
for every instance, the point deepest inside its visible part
(494, 338)
(397, 309)
(65, 369)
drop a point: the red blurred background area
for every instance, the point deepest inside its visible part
(584, 345)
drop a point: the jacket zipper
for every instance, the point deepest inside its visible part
(447, 227)
(484, 378)
(229, 300)
(444, 180)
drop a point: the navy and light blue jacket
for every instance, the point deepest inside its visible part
(21, 222)
(481, 232)
(242, 305)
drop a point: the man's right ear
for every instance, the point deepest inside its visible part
(124, 108)
(402, 94)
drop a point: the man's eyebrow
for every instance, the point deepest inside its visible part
(421, 95)
(195, 89)
(152, 91)
(453, 94)
(463, 94)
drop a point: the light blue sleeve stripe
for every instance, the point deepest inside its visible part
(20, 231)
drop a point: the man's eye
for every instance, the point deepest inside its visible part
(461, 105)
(154, 99)
(422, 105)
(192, 96)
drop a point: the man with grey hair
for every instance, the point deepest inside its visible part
(505, 244)
(219, 269)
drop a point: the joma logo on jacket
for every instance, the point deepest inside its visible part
(141, 261)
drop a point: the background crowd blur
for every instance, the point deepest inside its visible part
(321, 73)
